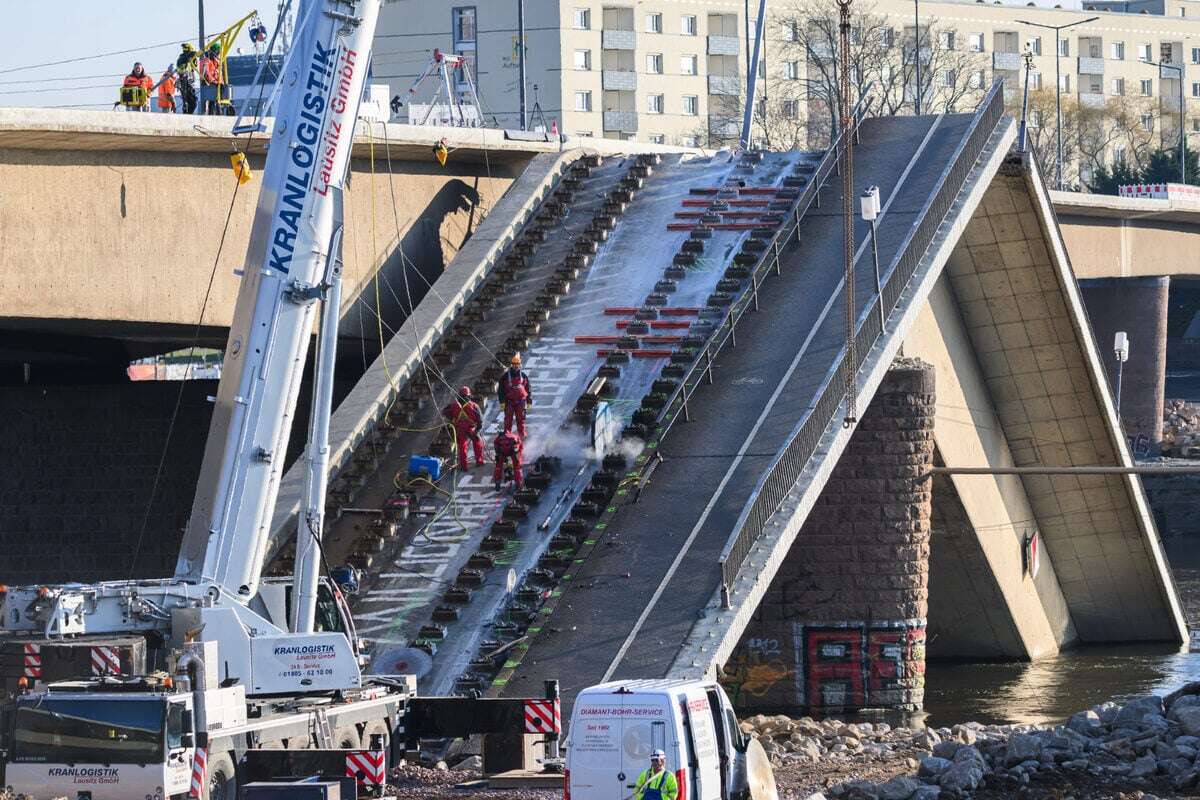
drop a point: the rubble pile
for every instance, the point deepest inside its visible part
(1150, 742)
(1181, 429)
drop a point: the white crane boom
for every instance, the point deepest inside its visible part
(287, 265)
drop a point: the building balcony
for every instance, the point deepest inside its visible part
(723, 45)
(729, 85)
(623, 121)
(1091, 66)
(723, 126)
(1170, 73)
(618, 40)
(620, 80)
(1091, 99)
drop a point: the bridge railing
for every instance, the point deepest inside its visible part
(781, 476)
(700, 369)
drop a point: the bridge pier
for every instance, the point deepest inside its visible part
(842, 625)
(1137, 306)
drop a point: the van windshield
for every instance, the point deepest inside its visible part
(89, 731)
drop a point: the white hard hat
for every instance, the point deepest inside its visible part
(659, 755)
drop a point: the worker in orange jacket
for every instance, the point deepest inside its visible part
(135, 89)
(463, 413)
(210, 80)
(515, 394)
(508, 453)
(166, 91)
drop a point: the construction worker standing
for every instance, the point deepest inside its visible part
(135, 89)
(210, 81)
(185, 65)
(166, 91)
(508, 448)
(463, 413)
(655, 783)
(515, 395)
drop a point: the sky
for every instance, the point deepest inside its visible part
(43, 31)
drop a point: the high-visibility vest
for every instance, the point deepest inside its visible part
(210, 70)
(166, 92)
(660, 786)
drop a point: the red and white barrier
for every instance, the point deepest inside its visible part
(543, 716)
(368, 767)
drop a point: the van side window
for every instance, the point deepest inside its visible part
(735, 732)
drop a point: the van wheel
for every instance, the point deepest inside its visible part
(222, 778)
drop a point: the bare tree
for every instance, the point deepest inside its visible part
(883, 62)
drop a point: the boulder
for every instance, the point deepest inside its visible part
(470, 764)
(946, 749)
(1131, 713)
(1022, 747)
(963, 734)
(1183, 702)
(1107, 712)
(925, 739)
(1189, 720)
(962, 777)
(1187, 690)
(898, 788)
(1085, 722)
(1144, 767)
(927, 793)
(933, 766)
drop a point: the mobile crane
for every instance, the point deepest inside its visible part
(216, 660)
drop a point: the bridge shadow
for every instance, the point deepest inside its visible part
(411, 265)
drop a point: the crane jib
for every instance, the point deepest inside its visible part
(315, 138)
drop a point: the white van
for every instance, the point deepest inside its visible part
(615, 727)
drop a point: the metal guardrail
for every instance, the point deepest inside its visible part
(700, 370)
(785, 470)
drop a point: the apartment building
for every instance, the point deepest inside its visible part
(674, 71)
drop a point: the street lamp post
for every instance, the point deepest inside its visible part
(1058, 169)
(1025, 103)
(869, 206)
(1182, 133)
(1121, 353)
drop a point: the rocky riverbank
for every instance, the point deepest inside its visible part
(1143, 749)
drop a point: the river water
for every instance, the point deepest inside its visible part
(1052, 689)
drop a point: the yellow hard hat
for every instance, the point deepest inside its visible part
(515, 360)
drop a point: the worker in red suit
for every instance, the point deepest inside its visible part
(508, 451)
(463, 413)
(515, 395)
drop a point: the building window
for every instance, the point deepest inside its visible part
(1147, 87)
(762, 68)
(583, 19)
(1148, 121)
(689, 141)
(1035, 81)
(1118, 87)
(946, 78)
(583, 59)
(583, 101)
(687, 25)
(1195, 124)
(1034, 45)
(654, 104)
(790, 109)
(888, 37)
(975, 81)
(1064, 83)
(791, 70)
(654, 64)
(688, 65)
(946, 40)
(657, 138)
(1034, 119)
(464, 24)
(1119, 154)
(1117, 51)
(691, 105)
(1064, 48)
(1196, 55)
(654, 22)
(1143, 52)
(975, 42)
(886, 73)
(1196, 90)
